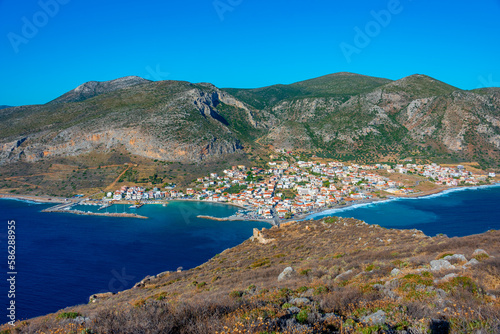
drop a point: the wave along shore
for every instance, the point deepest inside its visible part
(370, 203)
(305, 216)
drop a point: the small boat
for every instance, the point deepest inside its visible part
(136, 206)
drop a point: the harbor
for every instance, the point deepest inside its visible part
(69, 207)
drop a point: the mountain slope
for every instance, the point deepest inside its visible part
(343, 116)
(340, 84)
(167, 120)
(419, 86)
(414, 116)
(337, 85)
(93, 88)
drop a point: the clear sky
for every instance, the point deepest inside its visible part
(48, 47)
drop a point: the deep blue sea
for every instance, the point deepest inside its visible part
(457, 212)
(62, 258)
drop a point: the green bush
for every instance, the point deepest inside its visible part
(302, 289)
(302, 316)
(87, 331)
(305, 272)
(320, 290)
(427, 274)
(442, 256)
(260, 263)
(465, 283)
(236, 294)
(68, 315)
(481, 257)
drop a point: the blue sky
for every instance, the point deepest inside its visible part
(48, 47)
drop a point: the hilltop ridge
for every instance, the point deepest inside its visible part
(336, 275)
(94, 88)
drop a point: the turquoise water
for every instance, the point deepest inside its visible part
(457, 212)
(62, 259)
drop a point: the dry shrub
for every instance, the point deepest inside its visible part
(487, 273)
(343, 300)
(202, 317)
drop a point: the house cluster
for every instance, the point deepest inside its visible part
(447, 176)
(285, 189)
(136, 194)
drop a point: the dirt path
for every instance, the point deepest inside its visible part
(112, 185)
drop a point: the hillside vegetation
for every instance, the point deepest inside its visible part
(335, 275)
(341, 116)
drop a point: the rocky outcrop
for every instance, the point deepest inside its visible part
(438, 265)
(259, 237)
(377, 318)
(287, 273)
(132, 139)
(100, 297)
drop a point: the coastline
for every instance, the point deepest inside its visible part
(210, 202)
(427, 194)
(231, 219)
(304, 216)
(36, 199)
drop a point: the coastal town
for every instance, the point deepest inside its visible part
(292, 190)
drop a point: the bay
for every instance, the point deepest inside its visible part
(456, 213)
(62, 259)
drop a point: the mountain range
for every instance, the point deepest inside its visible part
(342, 115)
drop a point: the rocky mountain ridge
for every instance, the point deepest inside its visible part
(171, 121)
(94, 88)
(343, 115)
